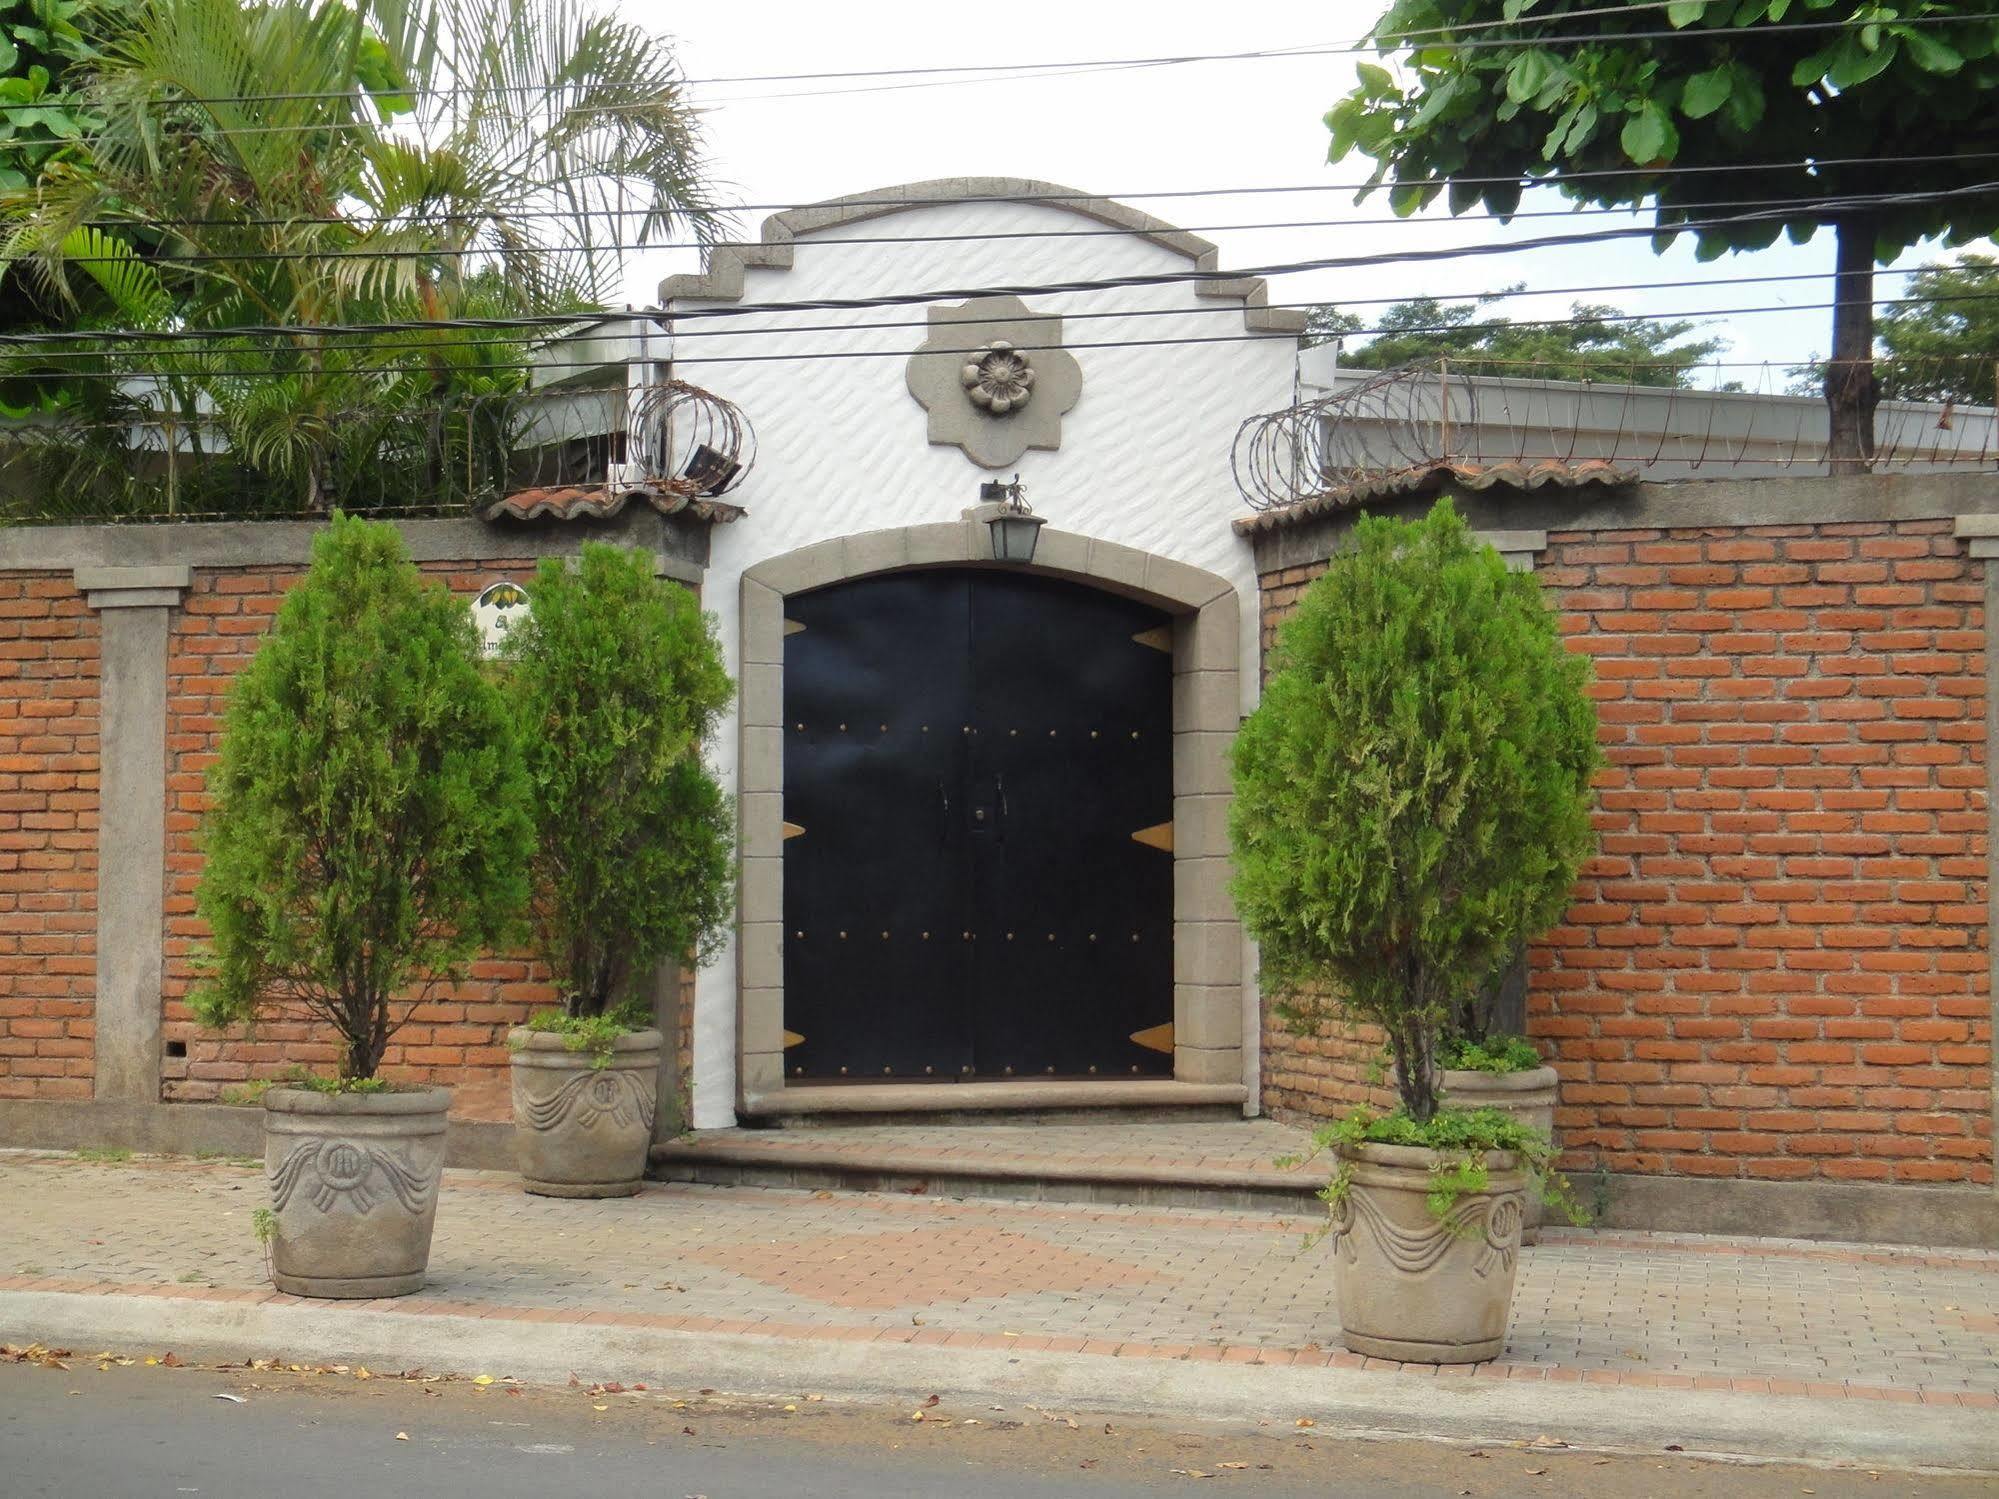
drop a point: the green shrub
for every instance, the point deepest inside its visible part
(368, 815)
(1412, 795)
(617, 682)
(1499, 1054)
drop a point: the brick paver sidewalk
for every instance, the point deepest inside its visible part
(1666, 1311)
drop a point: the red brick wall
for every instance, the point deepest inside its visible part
(1775, 968)
(48, 836)
(458, 1036)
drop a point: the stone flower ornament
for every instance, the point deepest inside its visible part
(994, 379)
(1000, 379)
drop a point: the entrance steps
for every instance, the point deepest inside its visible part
(1133, 1160)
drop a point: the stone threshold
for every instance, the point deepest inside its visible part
(1120, 1168)
(1026, 1097)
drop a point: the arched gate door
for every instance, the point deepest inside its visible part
(978, 802)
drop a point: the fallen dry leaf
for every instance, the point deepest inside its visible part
(402, 1436)
(1306, 1421)
(482, 1379)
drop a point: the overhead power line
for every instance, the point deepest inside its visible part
(1106, 283)
(539, 332)
(948, 73)
(364, 225)
(699, 360)
(876, 241)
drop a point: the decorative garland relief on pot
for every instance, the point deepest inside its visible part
(335, 1171)
(625, 1097)
(1416, 1250)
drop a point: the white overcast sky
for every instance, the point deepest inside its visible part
(1248, 123)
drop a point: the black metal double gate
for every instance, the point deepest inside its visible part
(978, 802)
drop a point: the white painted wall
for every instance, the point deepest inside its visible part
(1144, 459)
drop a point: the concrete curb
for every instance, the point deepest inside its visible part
(1868, 1433)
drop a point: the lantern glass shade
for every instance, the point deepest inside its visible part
(1014, 535)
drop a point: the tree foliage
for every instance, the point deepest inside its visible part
(617, 683)
(45, 48)
(1595, 344)
(1942, 338)
(1496, 95)
(368, 822)
(311, 162)
(1412, 794)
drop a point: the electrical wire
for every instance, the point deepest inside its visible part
(1150, 278)
(1374, 44)
(698, 359)
(541, 335)
(1783, 210)
(876, 241)
(1056, 198)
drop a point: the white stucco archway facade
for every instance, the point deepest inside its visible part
(848, 480)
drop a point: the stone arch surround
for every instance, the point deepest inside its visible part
(1207, 939)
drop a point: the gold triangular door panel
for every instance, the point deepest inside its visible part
(1159, 836)
(1155, 1038)
(1159, 637)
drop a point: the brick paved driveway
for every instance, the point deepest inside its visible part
(1772, 1316)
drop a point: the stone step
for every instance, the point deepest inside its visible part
(1228, 1165)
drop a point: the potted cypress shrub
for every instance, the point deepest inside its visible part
(617, 681)
(363, 843)
(1411, 806)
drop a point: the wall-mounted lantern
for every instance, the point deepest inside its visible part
(1015, 528)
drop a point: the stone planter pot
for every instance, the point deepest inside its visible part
(1527, 1096)
(1409, 1287)
(581, 1130)
(353, 1180)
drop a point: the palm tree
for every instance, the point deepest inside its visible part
(304, 163)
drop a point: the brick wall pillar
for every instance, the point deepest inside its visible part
(132, 847)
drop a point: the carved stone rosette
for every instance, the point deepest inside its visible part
(353, 1181)
(1416, 1288)
(995, 379)
(582, 1129)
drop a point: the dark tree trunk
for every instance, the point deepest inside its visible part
(1851, 391)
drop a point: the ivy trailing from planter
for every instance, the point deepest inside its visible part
(617, 682)
(595, 1034)
(1461, 1139)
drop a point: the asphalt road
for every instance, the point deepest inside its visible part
(135, 1431)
